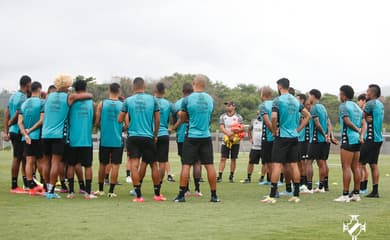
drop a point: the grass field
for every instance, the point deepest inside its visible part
(240, 215)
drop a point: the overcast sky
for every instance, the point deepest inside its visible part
(316, 44)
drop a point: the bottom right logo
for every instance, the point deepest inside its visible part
(354, 228)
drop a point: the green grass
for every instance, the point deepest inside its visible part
(240, 215)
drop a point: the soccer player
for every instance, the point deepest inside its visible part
(267, 138)
(285, 126)
(369, 152)
(181, 132)
(361, 102)
(320, 140)
(351, 124)
(254, 134)
(197, 109)
(11, 132)
(56, 113)
(144, 116)
(111, 144)
(231, 142)
(303, 142)
(30, 122)
(162, 145)
(81, 116)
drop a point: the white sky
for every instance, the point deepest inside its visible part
(316, 44)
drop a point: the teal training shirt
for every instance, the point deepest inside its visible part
(110, 129)
(31, 110)
(56, 113)
(266, 108)
(355, 114)
(199, 107)
(141, 108)
(288, 109)
(182, 128)
(81, 123)
(14, 104)
(375, 110)
(319, 111)
(165, 111)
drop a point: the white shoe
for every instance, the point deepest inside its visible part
(317, 190)
(98, 193)
(90, 196)
(343, 198)
(198, 194)
(129, 180)
(355, 198)
(294, 199)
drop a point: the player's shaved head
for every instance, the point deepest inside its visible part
(199, 82)
(266, 92)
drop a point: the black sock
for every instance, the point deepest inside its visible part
(249, 176)
(288, 187)
(197, 185)
(14, 182)
(213, 193)
(63, 186)
(309, 185)
(261, 178)
(321, 186)
(88, 185)
(112, 186)
(220, 175)
(231, 175)
(362, 185)
(182, 191)
(345, 193)
(45, 187)
(157, 190)
(127, 173)
(31, 184)
(326, 183)
(42, 180)
(137, 189)
(375, 188)
(274, 188)
(296, 189)
(101, 187)
(304, 180)
(82, 186)
(365, 184)
(71, 185)
(268, 178)
(25, 183)
(107, 176)
(188, 186)
(281, 177)
(356, 191)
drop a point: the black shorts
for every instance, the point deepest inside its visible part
(53, 146)
(17, 145)
(285, 150)
(303, 150)
(319, 151)
(142, 147)
(351, 147)
(162, 149)
(369, 152)
(180, 149)
(254, 156)
(198, 149)
(232, 153)
(110, 155)
(34, 149)
(82, 155)
(266, 152)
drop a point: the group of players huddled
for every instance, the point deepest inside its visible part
(52, 135)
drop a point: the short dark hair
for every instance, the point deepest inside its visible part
(302, 96)
(160, 87)
(114, 88)
(80, 85)
(284, 82)
(348, 91)
(316, 93)
(35, 86)
(187, 88)
(138, 83)
(291, 90)
(375, 89)
(24, 80)
(362, 97)
(51, 87)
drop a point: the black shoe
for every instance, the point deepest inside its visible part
(214, 199)
(170, 179)
(373, 195)
(246, 181)
(219, 179)
(231, 180)
(179, 199)
(201, 179)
